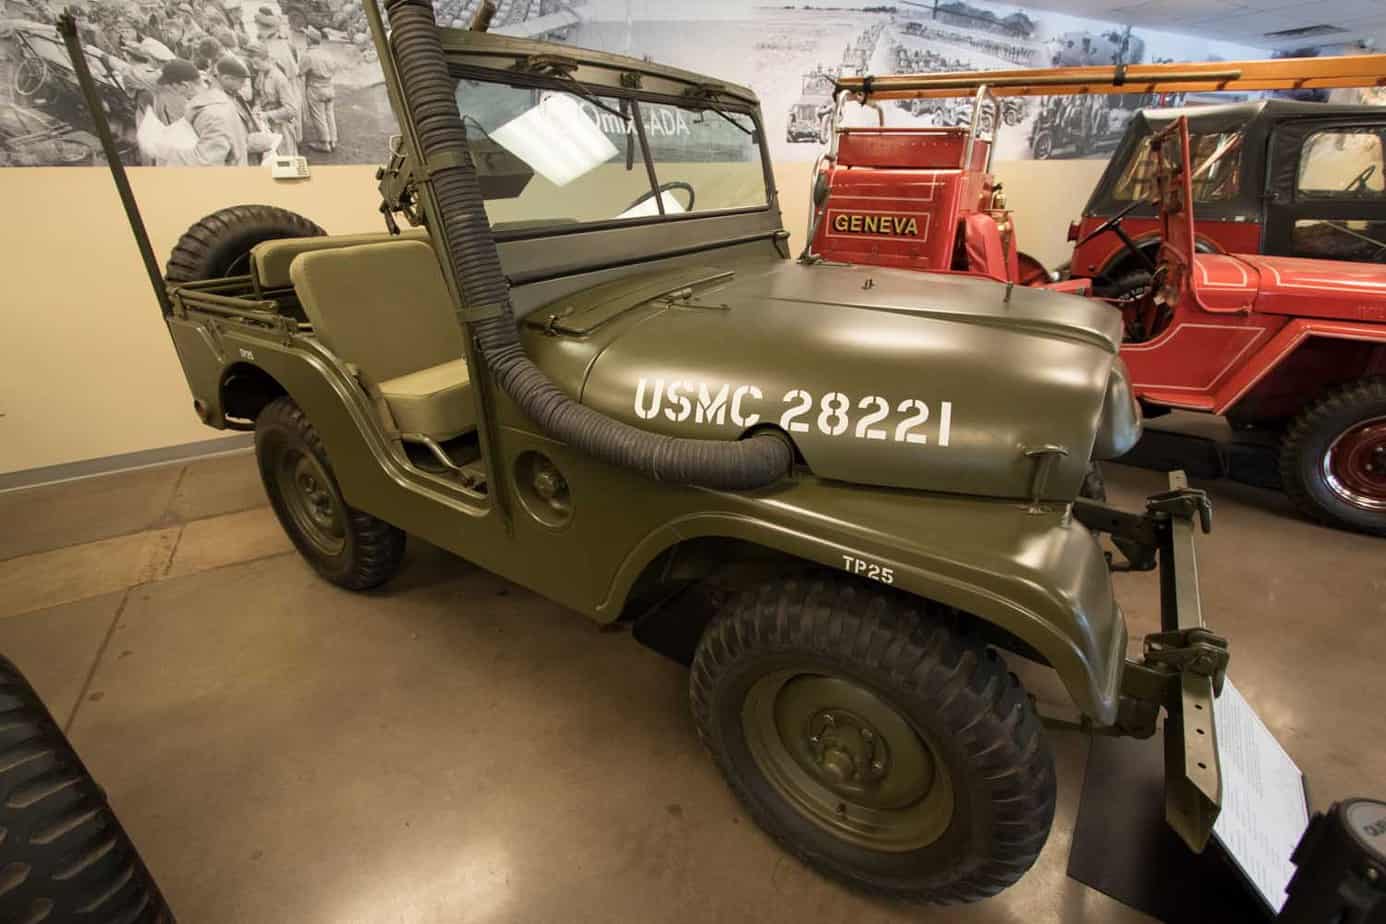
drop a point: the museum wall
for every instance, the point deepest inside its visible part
(86, 367)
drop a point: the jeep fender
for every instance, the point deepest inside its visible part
(1289, 338)
(1042, 577)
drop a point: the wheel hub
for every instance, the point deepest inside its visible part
(847, 760)
(1355, 465)
(848, 752)
(311, 502)
(317, 497)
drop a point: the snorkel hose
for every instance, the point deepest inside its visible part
(753, 462)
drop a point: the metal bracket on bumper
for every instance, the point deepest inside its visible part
(1183, 666)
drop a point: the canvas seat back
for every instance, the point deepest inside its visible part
(384, 307)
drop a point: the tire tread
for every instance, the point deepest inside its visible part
(1304, 428)
(887, 634)
(203, 250)
(63, 853)
(378, 547)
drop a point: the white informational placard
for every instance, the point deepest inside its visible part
(1264, 812)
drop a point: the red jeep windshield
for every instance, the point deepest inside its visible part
(1216, 182)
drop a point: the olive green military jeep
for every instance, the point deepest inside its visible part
(839, 492)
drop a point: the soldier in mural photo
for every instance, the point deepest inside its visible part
(276, 97)
(271, 34)
(314, 80)
(319, 70)
(179, 82)
(226, 131)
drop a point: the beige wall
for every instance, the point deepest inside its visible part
(86, 366)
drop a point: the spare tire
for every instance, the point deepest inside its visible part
(64, 856)
(219, 245)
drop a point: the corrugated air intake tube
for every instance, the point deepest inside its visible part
(729, 465)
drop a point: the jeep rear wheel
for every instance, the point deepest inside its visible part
(873, 741)
(347, 546)
(219, 245)
(1333, 459)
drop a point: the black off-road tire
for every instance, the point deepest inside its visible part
(64, 856)
(954, 691)
(219, 245)
(1307, 442)
(371, 550)
(1128, 285)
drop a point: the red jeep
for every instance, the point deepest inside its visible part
(1262, 195)
(1292, 346)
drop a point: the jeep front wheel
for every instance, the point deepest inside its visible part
(347, 546)
(1333, 458)
(873, 741)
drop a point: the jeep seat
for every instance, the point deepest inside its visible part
(384, 308)
(987, 253)
(270, 260)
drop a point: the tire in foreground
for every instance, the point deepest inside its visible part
(64, 856)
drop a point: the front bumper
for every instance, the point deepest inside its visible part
(1182, 666)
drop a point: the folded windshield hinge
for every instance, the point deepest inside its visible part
(547, 64)
(705, 90)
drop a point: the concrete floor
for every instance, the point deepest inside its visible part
(453, 748)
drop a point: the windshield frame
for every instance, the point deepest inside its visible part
(727, 104)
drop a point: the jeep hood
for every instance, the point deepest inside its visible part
(1319, 288)
(882, 377)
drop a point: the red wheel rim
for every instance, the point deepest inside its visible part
(1355, 465)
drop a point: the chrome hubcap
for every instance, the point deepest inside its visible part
(1354, 467)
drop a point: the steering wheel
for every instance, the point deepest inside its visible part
(1359, 182)
(661, 189)
(1111, 223)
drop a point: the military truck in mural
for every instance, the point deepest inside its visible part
(840, 493)
(808, 116)
(36, 123)
(1082, 49)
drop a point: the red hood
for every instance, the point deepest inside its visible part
(1316, 288)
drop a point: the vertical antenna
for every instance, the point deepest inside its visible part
(67, 27)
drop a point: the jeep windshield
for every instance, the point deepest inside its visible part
(563, 155)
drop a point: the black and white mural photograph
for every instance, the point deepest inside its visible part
(222, 82)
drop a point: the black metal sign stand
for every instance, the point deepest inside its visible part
(1123, 848)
